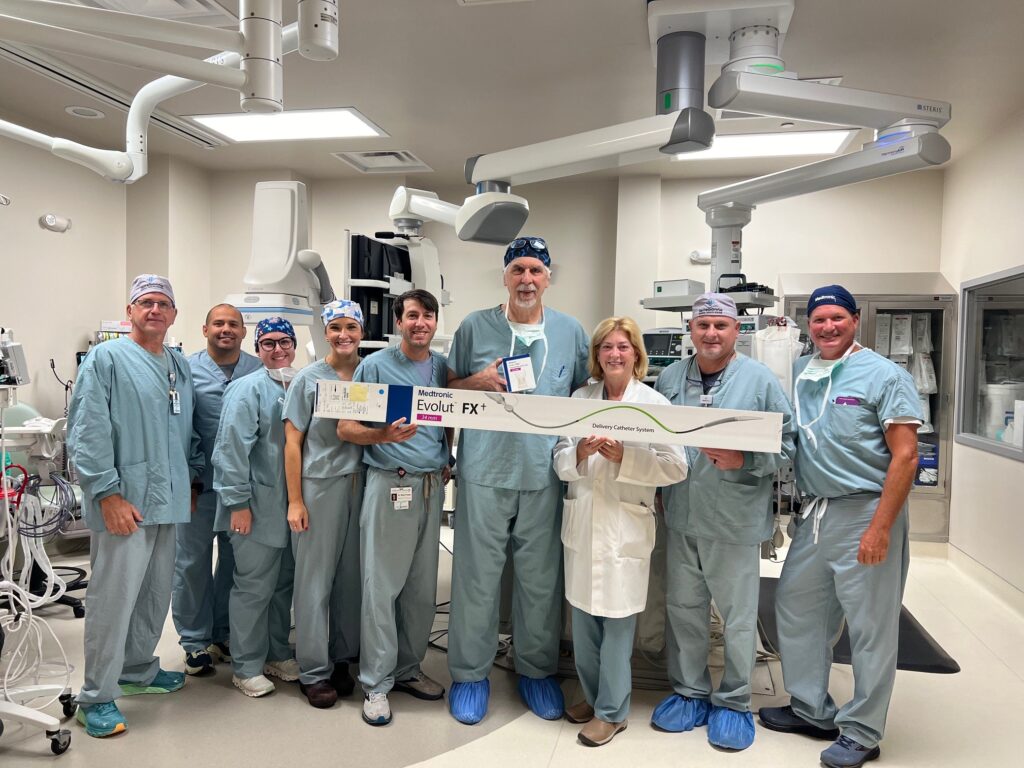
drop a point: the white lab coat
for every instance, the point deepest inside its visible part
(608, 520)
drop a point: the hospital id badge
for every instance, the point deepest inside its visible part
(175, 403)
(706, 401)
(401, 497)
(518, 371)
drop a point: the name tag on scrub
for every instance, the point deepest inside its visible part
(518, 371)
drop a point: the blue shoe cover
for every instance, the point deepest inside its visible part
(730, 729)
(543, 697)
(468, 701)
(680, 713)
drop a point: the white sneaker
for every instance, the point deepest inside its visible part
(287, 670)
(253, 687)
(376, 710)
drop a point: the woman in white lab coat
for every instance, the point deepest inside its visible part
(608, 531)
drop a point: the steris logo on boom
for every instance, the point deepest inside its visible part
(928, 108)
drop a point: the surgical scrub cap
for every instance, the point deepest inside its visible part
(342, 308)
(714, 305)
(832, 294)
(273, 325)
(528, 246)
(144, 284)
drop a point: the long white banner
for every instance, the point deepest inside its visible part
(540, 415)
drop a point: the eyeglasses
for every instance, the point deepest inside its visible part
(148, 304)
(267, 345)
(534, 243)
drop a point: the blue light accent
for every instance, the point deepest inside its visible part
(893, 138)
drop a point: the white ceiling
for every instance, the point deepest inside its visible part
(448, 81)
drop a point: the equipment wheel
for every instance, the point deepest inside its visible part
(78, 611)
(68, 703)
(60, 742)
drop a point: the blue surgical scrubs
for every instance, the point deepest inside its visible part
(327, 579)
(716, 522)
(400, 538)
(126, 438)
(248, 473)
(822, 583)
(199, 601)
(508, 491)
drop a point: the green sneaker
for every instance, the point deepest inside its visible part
(164, 682)
(101, 720)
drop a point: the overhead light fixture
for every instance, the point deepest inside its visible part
(344, 123)
(790, 144)
(86, 113)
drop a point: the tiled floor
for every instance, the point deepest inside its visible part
(968, 719)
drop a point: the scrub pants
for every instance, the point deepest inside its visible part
(327, 581)
(260, 605)
(820, 584)
(603, 648)
(399, 565)
(126, 606)
(486, 519)
(700, 569)
(199, 600)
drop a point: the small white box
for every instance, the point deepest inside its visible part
(678, 287)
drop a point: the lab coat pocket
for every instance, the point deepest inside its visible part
(735, 505)
(134, 484)
(636, 531)
(570, 524)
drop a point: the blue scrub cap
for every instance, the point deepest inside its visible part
(342, 308)
(144, 284)
(528, 246)
(273, 325)
(832, 295)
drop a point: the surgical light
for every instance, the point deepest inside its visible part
(292, 125)
(741, 145)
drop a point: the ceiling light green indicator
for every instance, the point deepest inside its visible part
(668, 100)
(773, 67)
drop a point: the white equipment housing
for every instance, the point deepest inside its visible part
(284, 278)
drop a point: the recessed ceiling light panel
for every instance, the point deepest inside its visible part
(86, 113)
(292, 125)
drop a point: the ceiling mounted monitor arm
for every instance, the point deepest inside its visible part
(251, 62)
(493, 215)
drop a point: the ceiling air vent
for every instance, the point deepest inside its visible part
(383, 161)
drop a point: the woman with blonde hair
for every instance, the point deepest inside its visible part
(608, 531)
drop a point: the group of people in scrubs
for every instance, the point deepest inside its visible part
(341, 519)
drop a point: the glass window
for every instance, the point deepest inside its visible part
(990, 385)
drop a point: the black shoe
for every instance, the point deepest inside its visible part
(320, 694)
(785, 720)
(342, 680)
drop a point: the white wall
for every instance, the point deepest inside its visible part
(982, 231)
(55, 288)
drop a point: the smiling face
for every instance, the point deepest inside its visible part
(152, 314)
(224, 329)
(714, 338)
(276, 350)
(526, 279)
(343, 334)
(833, 329)
(417, 326)
(616, 355)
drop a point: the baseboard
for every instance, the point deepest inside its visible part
(995, 584)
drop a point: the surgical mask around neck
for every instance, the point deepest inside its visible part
(816, 370)
(283, 375)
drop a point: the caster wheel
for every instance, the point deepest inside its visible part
(68, 704)
(79, 612)
(1, 727)
(60, 742)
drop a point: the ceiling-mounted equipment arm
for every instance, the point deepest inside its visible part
(494, 215)
(257, 48)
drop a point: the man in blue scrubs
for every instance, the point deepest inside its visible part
(508, 491)
(400, 522)
(131, 440)
(717, 519)
(857, 414)
(199, 601)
